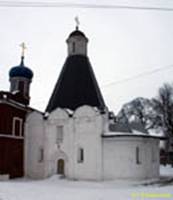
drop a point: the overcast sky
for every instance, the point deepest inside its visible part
(122, 44)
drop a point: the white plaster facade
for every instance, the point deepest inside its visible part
(120, 158)
(88, 152)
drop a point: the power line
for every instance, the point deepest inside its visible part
(127, 79)
(78, 5)
(139, 76)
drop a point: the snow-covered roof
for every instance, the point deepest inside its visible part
(133, 134)
(131, 129)
(127, 127)
(155, 132)
(70, 112)
(119, 127)
(138, 127)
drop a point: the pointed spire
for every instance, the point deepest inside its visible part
(22, 61)
(23, 46)
(77, 22)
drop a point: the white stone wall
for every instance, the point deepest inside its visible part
(83, 130)
(88, 127)
(120, 158)
(104, 158)
(34, 142)
(62, 150)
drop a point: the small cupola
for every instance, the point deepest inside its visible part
(21, 71)
(77, 42)
(21, 77)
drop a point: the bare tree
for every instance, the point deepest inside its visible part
(154, 114)
(138, 110)
(163, 106)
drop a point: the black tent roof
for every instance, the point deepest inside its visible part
(76, 86)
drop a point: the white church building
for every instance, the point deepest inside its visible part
(78, 137)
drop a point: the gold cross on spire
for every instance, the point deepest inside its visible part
(23, 48)
(77, 22)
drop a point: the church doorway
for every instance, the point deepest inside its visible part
(60, 167)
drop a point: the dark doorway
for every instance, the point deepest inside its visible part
(60, 169)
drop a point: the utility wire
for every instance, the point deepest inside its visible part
(127, 79)
(139, 76)
(78, 5)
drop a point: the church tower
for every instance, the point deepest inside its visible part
(77, 84)
(20, 79)
(77, 43)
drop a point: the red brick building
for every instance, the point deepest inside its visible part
(13, 110)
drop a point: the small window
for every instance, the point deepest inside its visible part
(80, 155)
(59, 134)
(26, 89)
(21, 87)
(14, 85)
(153, 155)
(40, 155)
(137, 156)
(73, 47)
(17, 126)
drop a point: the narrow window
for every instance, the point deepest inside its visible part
(26, 89)
(14, 85)
(59, 134)
(80, 155)
(137, 156)
(73, 47)
(41, 155)
(21, 87)
(153, 155)
(17, 126)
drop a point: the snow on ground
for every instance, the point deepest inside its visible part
(166, 170)
(55, 188)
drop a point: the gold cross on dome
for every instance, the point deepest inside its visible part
(77, 22)
(23, 48)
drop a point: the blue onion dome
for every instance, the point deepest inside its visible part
(21, 71)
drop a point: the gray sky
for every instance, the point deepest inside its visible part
(122, 44)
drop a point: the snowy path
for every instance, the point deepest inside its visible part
(61, 189)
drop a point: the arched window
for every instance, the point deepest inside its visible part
(21, 87)
(138, 156)
(153, 155)
(80, 158)
(59, 134)
(40, 155)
